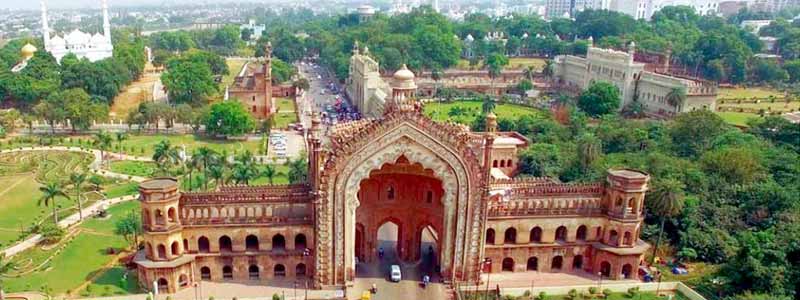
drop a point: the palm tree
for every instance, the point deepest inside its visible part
(5, 268)
(121, 136)
(588, 150)
(529, 71)
(207, 156)
(676, 97)
(50, 192)
(270, 172)
(666, 201)
(244, 169)
(165, 155)
(102, 140)
(216, 172)
(192, 164)
(298, 170)
(548, 69)
(77, 179)
(488, 104)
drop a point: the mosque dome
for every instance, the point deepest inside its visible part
(28, 50)
(403, 74)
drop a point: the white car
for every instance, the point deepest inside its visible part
(395, 274)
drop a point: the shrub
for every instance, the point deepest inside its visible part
(632, 292)
(527, 294)
(573, 294)
(51, 233)
(607, 292)
(593, 290)
(542, 296)
(276, 297)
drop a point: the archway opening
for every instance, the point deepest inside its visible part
(490, 236)
(508, 264)
(278, 242)
(580, 235)
(252, 272)
(558, 262)
(205, 273)
(627, 271)
(163, 285)
(251, 243)
(203, 246)
(577, 262)
(183, 280)
(300, 270)
(279, 271)
(533, 264)
(162, 251)
(227, 272)
(428, 244)
(605, 269)
(300, 241)
(225, 244)
(536, 235)
(388, 237)
(175, 248)
(561, 234)
(510, 236)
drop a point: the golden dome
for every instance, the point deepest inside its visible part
(28, 50)
(403, 74)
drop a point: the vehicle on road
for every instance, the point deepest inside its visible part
(395, 274)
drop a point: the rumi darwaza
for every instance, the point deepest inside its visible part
(405, 169)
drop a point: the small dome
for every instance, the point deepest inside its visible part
(403, 74)
(28, 50)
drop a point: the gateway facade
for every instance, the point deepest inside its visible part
(405, 169)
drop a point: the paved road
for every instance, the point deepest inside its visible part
(410, 287)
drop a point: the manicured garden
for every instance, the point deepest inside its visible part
(578, 296)
(285, 104)
(736, 118)
(133, 167)
(513, 63)
(283, 119)
(747, 93)
(62, 268)
(465, 112)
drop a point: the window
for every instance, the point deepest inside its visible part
(533, 264)
(581, 233)
(429, 197)
(252, 272)
(225, 244)
(490, 236)
(510, 237)
(279, 271)
(390, 193)
(300, 270)
(227, 272)
(536, 235)
(205, 273)
(561, 234)
(203, 245)
(558, 261)
(508, 264)
(251, 243)
(278, 242)
(300, 241)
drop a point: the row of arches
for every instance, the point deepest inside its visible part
(159, 217)
(254, 271)
(251, 243)
(510, 236)
(503, 163)
(557, 264)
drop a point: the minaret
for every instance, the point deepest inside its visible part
(106, 23)
(436, 6)
(267, 79)
(45, 27)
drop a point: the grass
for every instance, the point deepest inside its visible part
(513, 63)
(778, 105)
(283, 119)
(191, 142)
(285, 105)
(234, 66)
(133, 94)
(281, 178)
(133, 167)
(472, 109)
(750, 92)
(736, 118)
(84, 258)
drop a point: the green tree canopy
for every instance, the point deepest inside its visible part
(229, 118)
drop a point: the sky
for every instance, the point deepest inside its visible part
(34, 4)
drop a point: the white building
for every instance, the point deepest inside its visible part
(93, 47)
(639, 9)
(256, 29)
(367, 90)
(633, 81)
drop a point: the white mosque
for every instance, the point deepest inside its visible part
(84, 45)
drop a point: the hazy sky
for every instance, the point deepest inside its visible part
(34, 4)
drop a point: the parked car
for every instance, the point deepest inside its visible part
(395, 274)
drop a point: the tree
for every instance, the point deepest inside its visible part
(488, 104)
(792, 68)
(129, 227)
(244, 169)
(207, 157)
(298, 170)
(50, 192)
(270, 172)
(229, 118)
(51, 111)
(666, 201)
(217, 172)
(599, 99)
(193, 163)
(693, 132)
(102, 140)
(188, 81)
(77, 179)
(5, 268)
(495, 63)
(589, 150)
(120, 137)
(776, 129)
(540, 160)
(676, 98)
(165, 155)
(734, 165)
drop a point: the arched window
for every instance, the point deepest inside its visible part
(510, 237)
(171, 215)
(494, 164)
(251, 243)
(300, 241)
(390, 193)
(162, 251)
(278, 242)
(227, 272)
(185, 245)
(203, 246)
(300, 270)
(536, 235)
(605, 269)
(630, 204)
(502, 163)
(252, 272)
(205, 273)
(429, 197)
(618, 203)
(490, 236)
(581, 233)
(183, 280)
(577, 262)
(533, 264)
(509, 163)
(558, 262)
(279, 271)
(627, 239)
(163, 285)
(627, 271)
(225, 244)
(613, 238)
(175, 248)
(561, 234)
(149, 250)
(598, 233)
(508, 264)
(159, 217)
(146, 217)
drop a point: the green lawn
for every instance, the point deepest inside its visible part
(82, 259)
(234, 66)
(472, 109)
(146, 142)
(283, 119)
(281, 178)
(750, 92)
(133, 167)
(285, 105)
(513, 63)
(778, 105)
(737, 118)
